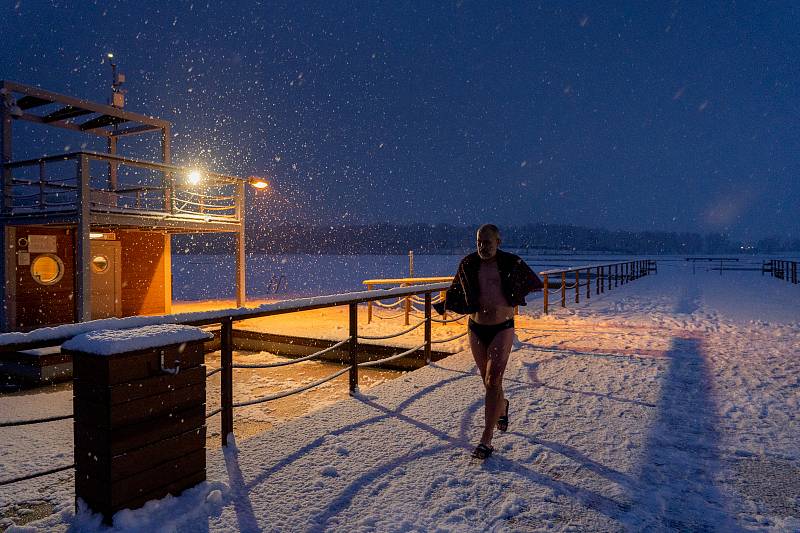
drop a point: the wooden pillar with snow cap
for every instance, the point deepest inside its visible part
(139, 402)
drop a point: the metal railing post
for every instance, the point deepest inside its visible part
(226, 378)
(588, 283)
(577, 286)
(428, 328)
(546, 293)
(353, 329)
(563, 289)
(616, 275)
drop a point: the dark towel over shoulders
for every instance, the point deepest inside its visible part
(516, 278)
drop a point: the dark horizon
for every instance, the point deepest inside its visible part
(386, 238)
(668, 117)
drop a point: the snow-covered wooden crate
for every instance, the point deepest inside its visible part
(139, 399)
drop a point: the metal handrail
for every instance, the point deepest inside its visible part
(623, 272)
(151, 165)
(59, 334)
(224, 206)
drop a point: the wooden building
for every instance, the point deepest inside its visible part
(86, 234)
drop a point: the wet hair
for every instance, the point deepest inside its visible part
(490, 227)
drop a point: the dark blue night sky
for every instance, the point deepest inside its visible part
(676, 116)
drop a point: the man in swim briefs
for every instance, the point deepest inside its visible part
(488, 285)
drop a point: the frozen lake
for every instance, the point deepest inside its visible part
(208, 276)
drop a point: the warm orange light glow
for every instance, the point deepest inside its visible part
(258, 183)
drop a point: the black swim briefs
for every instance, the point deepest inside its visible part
(487, 332)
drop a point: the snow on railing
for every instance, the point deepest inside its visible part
(606, 275)
(55, 336)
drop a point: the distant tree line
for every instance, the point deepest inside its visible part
(384, 238)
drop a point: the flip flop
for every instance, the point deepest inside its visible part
(502, 422)
(482, 451)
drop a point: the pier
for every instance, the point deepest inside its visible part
(664, 405)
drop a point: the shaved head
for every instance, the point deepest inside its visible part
(488, 239)
(489, 228)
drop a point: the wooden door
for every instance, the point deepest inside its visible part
(106, 267)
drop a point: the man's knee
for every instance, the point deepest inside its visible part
(493, 381)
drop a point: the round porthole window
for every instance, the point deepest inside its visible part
(99, 263)
(47, 269)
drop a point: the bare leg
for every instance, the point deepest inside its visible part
(491, 362)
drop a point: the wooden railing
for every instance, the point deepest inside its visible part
(606, 276)
(44, 185)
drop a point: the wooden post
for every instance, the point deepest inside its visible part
(443, 296)
(408, 308)
(427, 328)
(588, 283)
(226, 378)
(83, 278)
(353, 329)
(563, 289)
(577, 286)
(546, 293)
(616, 275)
(609, 277)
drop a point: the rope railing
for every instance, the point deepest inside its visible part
(449, 339)
(298, 390)
(391, 357)
(606, 276)
(392, 317)
(392, 335)
(293, 361)
(388, 306)
(15, 423)
(225, 318)
(448, 320)
(36, 474)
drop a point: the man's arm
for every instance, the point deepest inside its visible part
(532, 281)
(455, 299)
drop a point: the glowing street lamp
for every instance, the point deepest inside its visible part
(194, 177)
(258, 183)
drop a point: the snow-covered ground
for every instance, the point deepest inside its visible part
(668, 404)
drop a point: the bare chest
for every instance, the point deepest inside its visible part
(491, 291)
